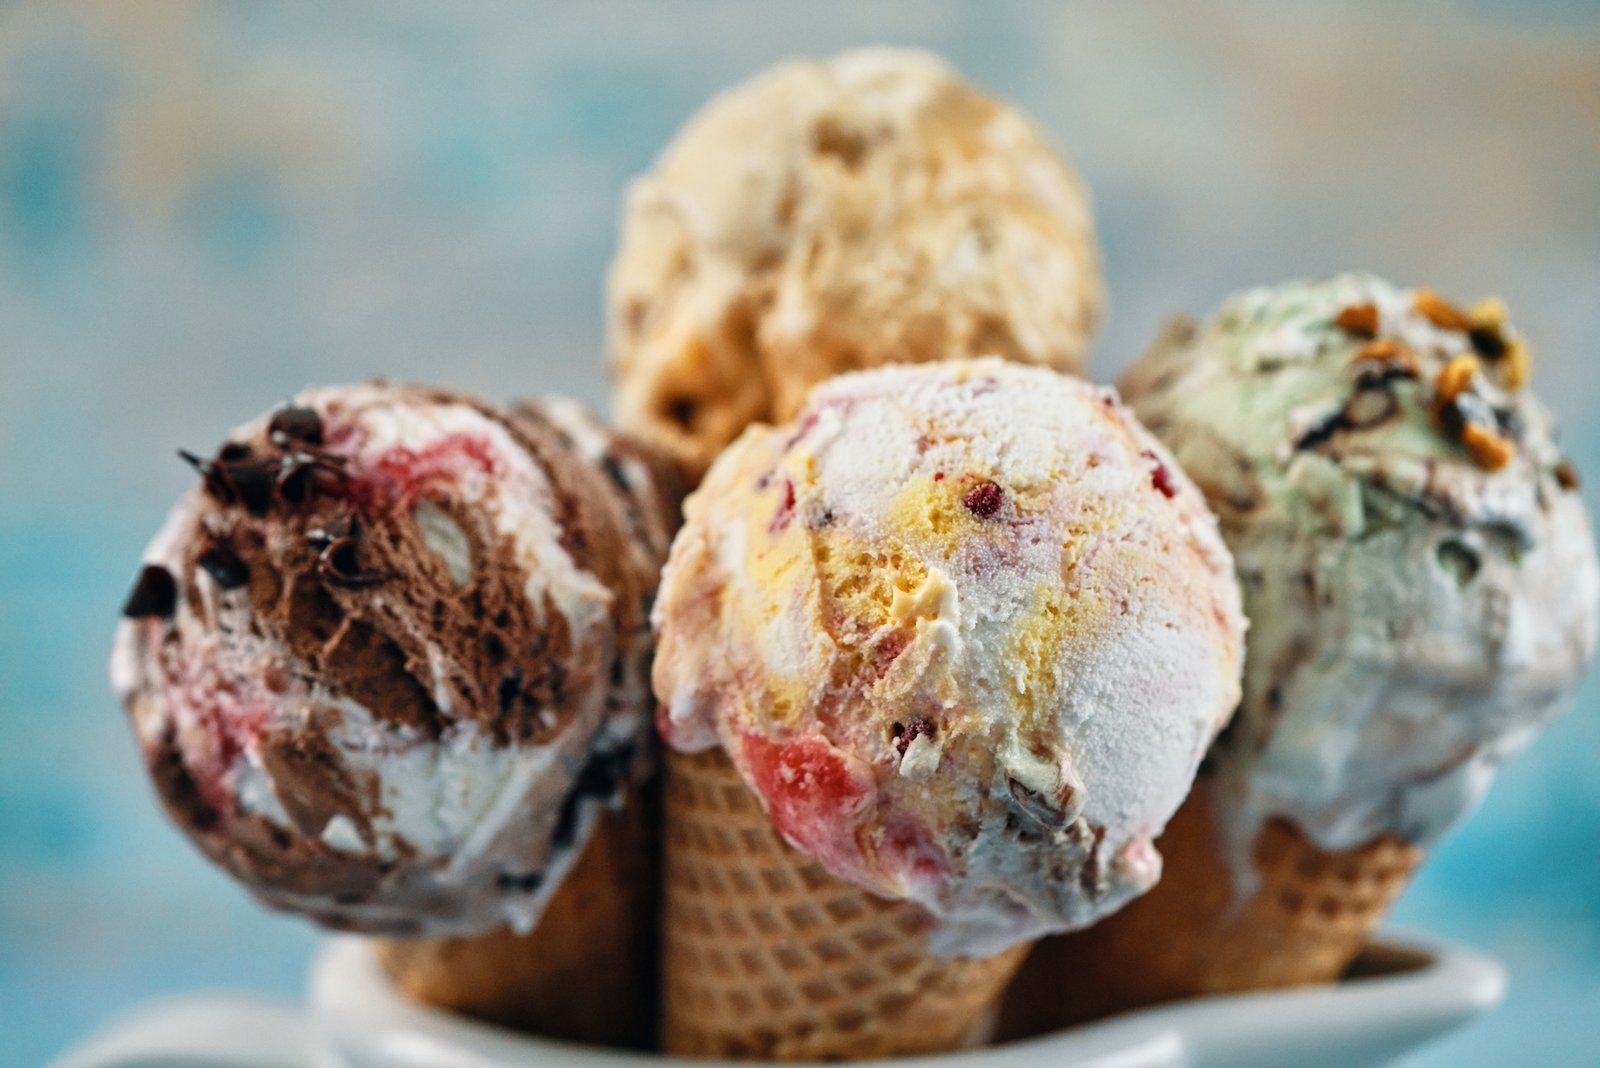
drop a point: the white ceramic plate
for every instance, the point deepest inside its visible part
(1403, 993)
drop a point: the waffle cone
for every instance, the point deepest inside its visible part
(1306, 918)
(766, 955)
(584, 973)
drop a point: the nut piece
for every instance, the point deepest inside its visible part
(1456, 378)
(1515, 365)
(1386, 359)
(1489, 313)
(1489, 450)
(1359, 320)
(1440, 312)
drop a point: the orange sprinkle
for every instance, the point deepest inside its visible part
(1440, 312)
(1359, 320)
(1489, 450)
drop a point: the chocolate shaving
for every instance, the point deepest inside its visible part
(1487, 341)
(1322, 433)
(524, 883)
(216, 487)
(339, 554)
(295, 425)
(254, 482)
(598, 780)
(154, 594)
(613, 470)
(286, 478)
(294, 484)
(1566, 475)
(225, 567)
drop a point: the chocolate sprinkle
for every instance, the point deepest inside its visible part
(1566, 475)
(154, 594)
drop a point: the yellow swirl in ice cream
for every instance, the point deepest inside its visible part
(834, 215)
(1419, 574)
(966, 630)
(390, 659)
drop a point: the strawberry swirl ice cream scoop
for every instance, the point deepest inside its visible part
(966, 631)
(388, 662)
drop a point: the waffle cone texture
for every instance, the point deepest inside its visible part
(766, 955)
(1307, 916)
(584, 973)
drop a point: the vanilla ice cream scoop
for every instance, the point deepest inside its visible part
(1418, 568)
(966, 630)
(834, 215)
(389, 660)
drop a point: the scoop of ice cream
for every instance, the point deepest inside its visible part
(1418, 569)
(390, 659)
(828, 216)
(966, 630)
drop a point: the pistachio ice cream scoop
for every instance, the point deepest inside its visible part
(1422, 589)
(1418, 567)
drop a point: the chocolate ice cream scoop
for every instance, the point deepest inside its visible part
(390, 658)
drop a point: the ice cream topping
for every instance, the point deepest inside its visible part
(390, 657)
(966, 630)
(1419, 575)
(835, 215)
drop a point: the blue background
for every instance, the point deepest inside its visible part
(204, 206)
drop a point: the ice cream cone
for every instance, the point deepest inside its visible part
(1303, 919)
(584, 973)
(766, 955)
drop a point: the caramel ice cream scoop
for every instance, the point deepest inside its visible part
(832, 215)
